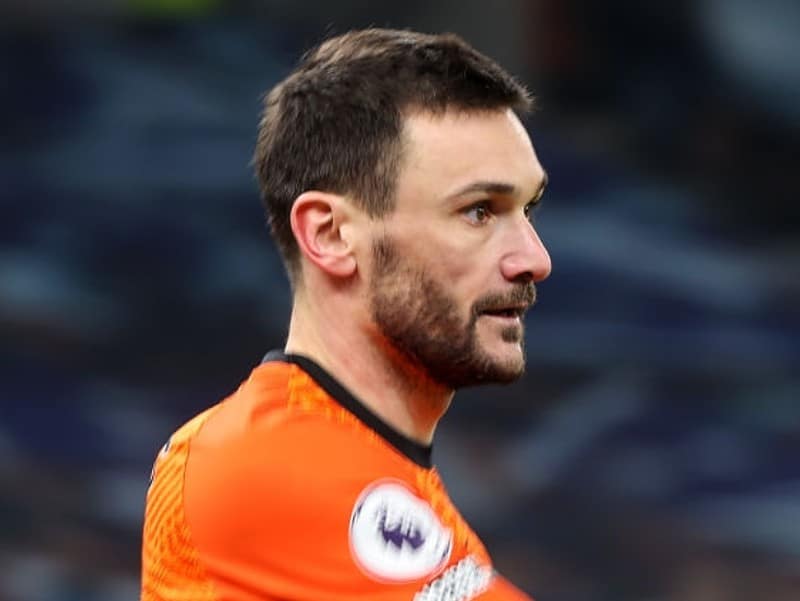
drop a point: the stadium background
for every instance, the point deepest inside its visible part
(652, 451)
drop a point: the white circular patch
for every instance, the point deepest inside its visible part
(395, 535)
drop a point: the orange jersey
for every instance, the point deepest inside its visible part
(291, 489)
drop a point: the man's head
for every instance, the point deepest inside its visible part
(396, 160)
(336, 122)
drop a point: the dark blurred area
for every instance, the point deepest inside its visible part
(651, 451)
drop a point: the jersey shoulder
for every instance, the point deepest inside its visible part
(282, 419)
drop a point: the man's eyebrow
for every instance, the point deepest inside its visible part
(486, 186)
(495, 187)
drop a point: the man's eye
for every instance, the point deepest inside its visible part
(478, 213)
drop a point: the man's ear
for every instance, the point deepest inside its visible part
(320, 222)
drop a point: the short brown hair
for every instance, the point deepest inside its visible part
(335, 123)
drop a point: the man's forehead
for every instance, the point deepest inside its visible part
(457, 148)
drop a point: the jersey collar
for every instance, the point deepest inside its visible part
(416, 452)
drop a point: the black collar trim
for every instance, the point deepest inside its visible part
(416, 452)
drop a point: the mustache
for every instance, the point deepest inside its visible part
(521, 294)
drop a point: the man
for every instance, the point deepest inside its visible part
(398, 182)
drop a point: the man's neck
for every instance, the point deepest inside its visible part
(398, 392)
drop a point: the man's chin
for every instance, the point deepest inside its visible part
(509, 369)
(505, 356)
(502, 365)
(479, 368)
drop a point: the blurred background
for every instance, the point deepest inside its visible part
(652, 451)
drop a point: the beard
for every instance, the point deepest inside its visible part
(417, 316)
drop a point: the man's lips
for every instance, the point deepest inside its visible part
(507, 312)
(510, 305)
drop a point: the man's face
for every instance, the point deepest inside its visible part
(454, 265)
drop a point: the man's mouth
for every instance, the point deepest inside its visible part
(507, 312)
(509, 307)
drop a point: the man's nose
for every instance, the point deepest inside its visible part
(527, 258)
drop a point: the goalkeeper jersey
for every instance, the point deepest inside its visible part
(292, 489)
